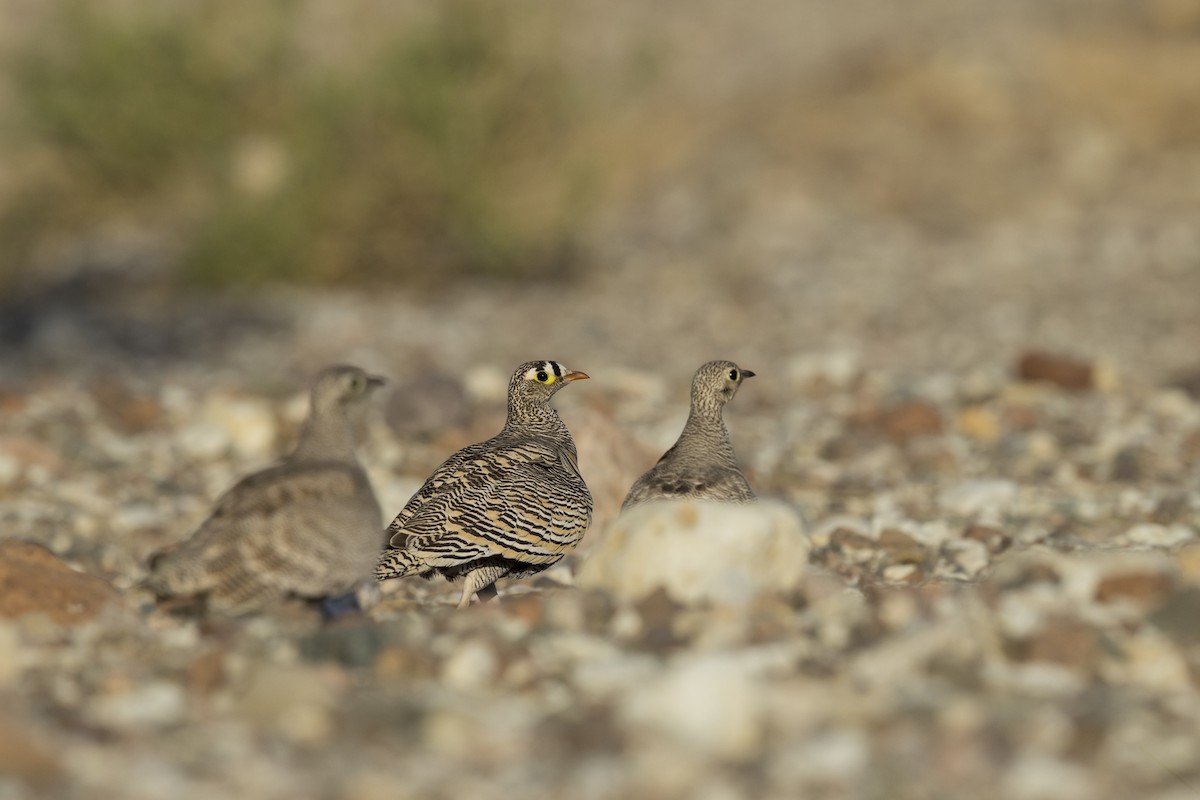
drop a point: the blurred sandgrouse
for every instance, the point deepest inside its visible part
(507, 507)
(308, 526)
(701, 464)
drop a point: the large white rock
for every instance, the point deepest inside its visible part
(699, 551)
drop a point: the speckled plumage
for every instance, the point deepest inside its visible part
(507, 507)
(308, 526)
(701, 464)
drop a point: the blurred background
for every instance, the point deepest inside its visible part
(179, 150)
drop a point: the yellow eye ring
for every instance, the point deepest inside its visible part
(542, 376)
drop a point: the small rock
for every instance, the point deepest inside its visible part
(980, 424)
(699, 551)
(1151, 535)
(909, 420)
(1059, 370)
(1145, 589)
(976, 496)
(34, 580)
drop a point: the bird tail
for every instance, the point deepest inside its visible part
(397, 563)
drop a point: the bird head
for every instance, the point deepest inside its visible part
(341, 385)
(718, 380)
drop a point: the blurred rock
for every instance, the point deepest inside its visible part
(978, 496)
(699, 552)
(910, 420)
(710, 704)
(980, 424)
(1146, 589)
(1060, 370)
(33, 580)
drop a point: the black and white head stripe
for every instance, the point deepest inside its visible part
(546, 369)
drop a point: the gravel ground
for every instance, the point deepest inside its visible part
(993, 440)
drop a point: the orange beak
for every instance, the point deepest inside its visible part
(575, 376)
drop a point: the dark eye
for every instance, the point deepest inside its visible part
(733, 374)
(358, 383)
(542, 376)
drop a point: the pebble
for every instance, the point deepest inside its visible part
(35, 581)
(978, 496)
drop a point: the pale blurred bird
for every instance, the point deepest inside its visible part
(701, 464)
(507, 507)
(308, 526)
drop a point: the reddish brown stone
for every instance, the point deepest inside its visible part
(1057, 369)
(34, 580)
(910, 420)
(1147, 589)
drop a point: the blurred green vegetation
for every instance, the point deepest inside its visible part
(444, 149)
(404, 143)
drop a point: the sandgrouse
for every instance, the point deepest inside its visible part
(308, 526)
(701, 464)
(507, 507)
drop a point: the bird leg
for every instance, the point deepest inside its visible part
(480, 580)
